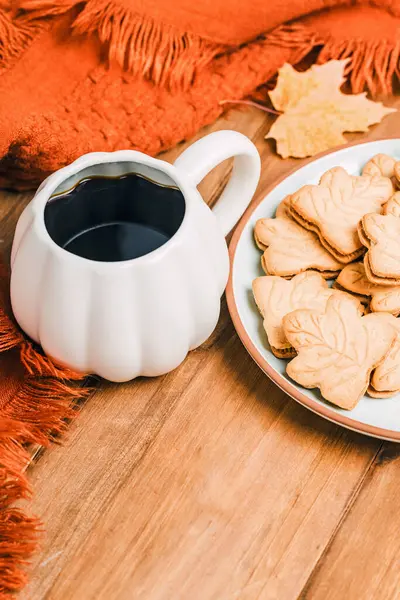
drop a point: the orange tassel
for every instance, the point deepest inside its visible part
(373, 64)
(38, 364)
(138, 44)
(14, 37)
(37, 412)
(143, 46)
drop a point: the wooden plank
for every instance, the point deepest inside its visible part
(11, 206)
(363, 560)
(197, 485)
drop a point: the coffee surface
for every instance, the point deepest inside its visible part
(114, 219)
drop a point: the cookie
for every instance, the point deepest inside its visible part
(385, 380)
(337, 349)
(290, 249)
(397, 171)
(333, 208)
(276, 297)
(380, 234)
(392, 206)
(381, 298)
(280, 213)
(374, 394)
(382, 165)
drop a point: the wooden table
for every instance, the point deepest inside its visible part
(210, 483)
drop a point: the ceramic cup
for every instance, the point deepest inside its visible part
(141, 316)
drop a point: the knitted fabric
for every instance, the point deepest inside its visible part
(105, 76)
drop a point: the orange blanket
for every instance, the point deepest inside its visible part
(146, 74)
(143, 74)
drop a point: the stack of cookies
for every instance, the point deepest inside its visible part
(343, 339)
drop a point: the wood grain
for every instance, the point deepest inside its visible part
(210, 483)
(363, 559)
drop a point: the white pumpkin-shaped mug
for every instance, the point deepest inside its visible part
(140, 316)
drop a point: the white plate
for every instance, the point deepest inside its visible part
(376, 417)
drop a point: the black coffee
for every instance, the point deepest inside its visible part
(112, 219)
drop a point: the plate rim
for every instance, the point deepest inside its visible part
(285, 385)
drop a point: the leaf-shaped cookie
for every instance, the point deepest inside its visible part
(380, 164)
(338, 349)
(281, 212)
(334, 207)
(384, 298)
(381, 235)
(276, 297)
(385, 380)
(290, 249)
(392, 206)
(397, 171)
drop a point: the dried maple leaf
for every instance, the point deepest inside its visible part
(316, 112)
(337, 349)
(293, 85)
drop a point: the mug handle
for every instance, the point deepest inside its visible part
(205, 154)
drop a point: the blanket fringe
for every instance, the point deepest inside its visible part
(46, 405)
(168, 57)
(373, 64)
(299, 39)
(146, 47)
(41, 9)
(18, 533)
(14, 37)
(10, 336)
(18, 541)
(37, 364)
(36, 413)
(138, 44)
